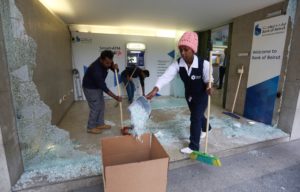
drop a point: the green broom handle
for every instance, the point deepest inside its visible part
(120, 103)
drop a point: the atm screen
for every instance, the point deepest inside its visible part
(132, 59)
(135, 58)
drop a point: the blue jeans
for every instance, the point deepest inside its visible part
(129, 89)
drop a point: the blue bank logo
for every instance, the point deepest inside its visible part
(258, 30)
(78, 39)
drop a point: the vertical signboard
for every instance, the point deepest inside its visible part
(265, 65)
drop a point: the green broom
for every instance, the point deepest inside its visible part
(205, 157)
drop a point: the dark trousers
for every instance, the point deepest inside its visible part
(221, 76)
(197, 108)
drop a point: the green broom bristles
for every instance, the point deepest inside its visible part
(206, 158)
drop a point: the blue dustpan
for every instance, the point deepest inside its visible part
(143, 103)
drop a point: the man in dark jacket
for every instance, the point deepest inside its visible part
(133, 72)
(93, 87)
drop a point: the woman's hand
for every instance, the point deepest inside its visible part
(209, 91)
(150, 95)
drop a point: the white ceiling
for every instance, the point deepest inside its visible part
(167, 14)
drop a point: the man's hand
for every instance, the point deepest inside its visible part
(129, 78)
(118, 98)
(150, 95)
(115, 67)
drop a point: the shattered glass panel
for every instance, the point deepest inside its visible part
(139, 117)
(47, 151)
(167, 103)
(258, 131)
(177, 87)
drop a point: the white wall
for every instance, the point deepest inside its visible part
(88, 48)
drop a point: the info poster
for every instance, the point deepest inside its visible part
(265, 65)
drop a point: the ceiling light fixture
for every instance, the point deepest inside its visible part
(58, 6)
(136, 46)
(275, 13)
(124, 30)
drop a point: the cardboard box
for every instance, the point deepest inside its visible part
(130, 165)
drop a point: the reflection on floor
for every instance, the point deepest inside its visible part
(169, 121)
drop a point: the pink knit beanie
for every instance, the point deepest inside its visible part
(189, 39)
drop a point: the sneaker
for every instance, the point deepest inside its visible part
(103, 127)
(186, 150)
(203, 135)
(94, 131)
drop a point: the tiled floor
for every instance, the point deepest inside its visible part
(170, 123)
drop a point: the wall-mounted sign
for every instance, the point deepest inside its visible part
(116, 49)
(265, 65)
(86, 53)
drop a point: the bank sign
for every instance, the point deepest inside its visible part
(265, 65)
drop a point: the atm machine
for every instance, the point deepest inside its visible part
(136, 58)
(136, 54)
